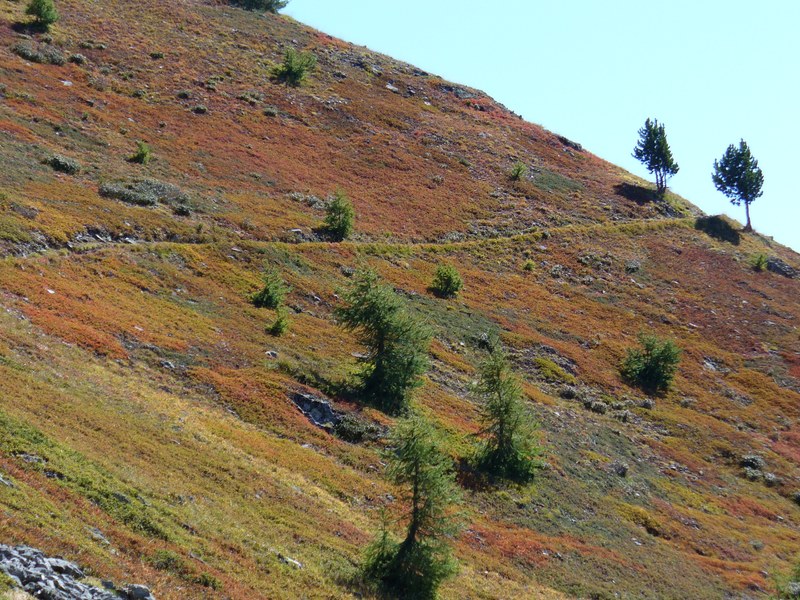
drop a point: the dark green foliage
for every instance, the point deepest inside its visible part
(143, 154)
(446, 282)
(272, 6)
(652, 366)
(295, 66)
(653, 152)
(43, 12)
(273, 292)
(167, 560)
(339, 217)
(416, 566)
(63, 164)
(518, 171)
(281, 324)
(719, 228)
(397, 344)
(510, 449)
(738, 176)
(354, 429)
(208, 581)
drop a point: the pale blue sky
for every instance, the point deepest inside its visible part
(713, 71)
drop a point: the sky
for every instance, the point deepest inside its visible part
(713, 71)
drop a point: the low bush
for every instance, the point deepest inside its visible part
(143, 154)
(145, 192)
(39, 53)
(339, 217)
(62, 164)
(273, 292)
(518, 171)
(759, 262)
(354, 429)
(653, 366)
(295, 67)
(281, 324)
(447, 282)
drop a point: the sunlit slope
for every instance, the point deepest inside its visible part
(144, 408)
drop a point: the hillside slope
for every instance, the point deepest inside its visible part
(146, 413)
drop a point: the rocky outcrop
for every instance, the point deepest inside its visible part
(49, 578)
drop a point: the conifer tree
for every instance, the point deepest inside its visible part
(738, 176)
(654, 152)
(510, 449)
(339, 217)
(416, 566)
(397, 344)
(273, 292)
(43, 11)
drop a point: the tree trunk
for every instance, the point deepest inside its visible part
(749, 226)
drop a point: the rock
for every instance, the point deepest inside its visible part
(272, 354)
(647, 403)
(290, 561)
(48, 578)
(59, 565)
(776, 265)
(392, 88)
(316, 410)
(137, 592)
(6, 482)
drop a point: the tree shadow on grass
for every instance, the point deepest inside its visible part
(637, 193)
(719, 228)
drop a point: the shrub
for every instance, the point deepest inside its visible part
(78, 59)
(518, 171)
(200, 109)
(43, 12)
(281, 324)
(339, 217)
(208, 581)
(446, 282)
(653, 366)
(167, 560)
(759, 262)
(354, 429)
(529, 265)
(144, 192)
(63, 164)
(296, 65)
(273, 292)
(143, 154)
(39, 53)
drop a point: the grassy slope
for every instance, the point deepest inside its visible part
(138, 374)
